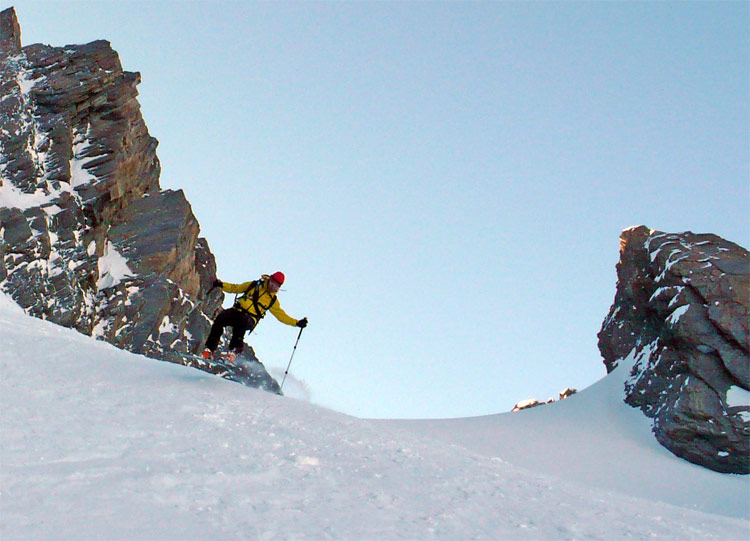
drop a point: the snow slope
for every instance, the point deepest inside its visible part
(98, 443)
(593, 438)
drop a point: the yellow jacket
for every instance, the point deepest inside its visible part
(265, 299)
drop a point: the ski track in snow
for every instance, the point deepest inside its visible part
(98, 443)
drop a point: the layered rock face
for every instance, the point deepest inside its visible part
(87, 237)
(680, 317)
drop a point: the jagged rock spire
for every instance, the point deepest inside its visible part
(88, 239)
(10, 33)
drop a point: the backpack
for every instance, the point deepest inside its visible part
(255, 299)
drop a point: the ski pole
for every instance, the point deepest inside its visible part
(290, 358)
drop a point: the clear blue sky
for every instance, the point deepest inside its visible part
(444, 183)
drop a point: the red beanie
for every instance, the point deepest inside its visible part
(278, 277)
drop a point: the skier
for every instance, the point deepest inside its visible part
(257, 297)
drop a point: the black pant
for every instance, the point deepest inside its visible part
(240, 321)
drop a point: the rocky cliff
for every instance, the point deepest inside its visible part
(680, 316)
(88, 239)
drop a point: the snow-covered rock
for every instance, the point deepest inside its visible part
(681, 309)
(88, 239)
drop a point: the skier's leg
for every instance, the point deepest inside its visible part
(222, 320)
(241, 324)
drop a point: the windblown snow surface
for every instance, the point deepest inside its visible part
(97, 443)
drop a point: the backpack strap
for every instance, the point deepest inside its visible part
(260, 310)
(238, 297)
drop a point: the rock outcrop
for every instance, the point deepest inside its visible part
(533, 402)
(680, 316)
(88, 239)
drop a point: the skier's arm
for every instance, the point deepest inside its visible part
(235, 288)
(282, 316)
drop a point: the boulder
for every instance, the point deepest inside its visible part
(681, 312)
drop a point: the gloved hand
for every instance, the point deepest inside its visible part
(218, 283)
(302, 323)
